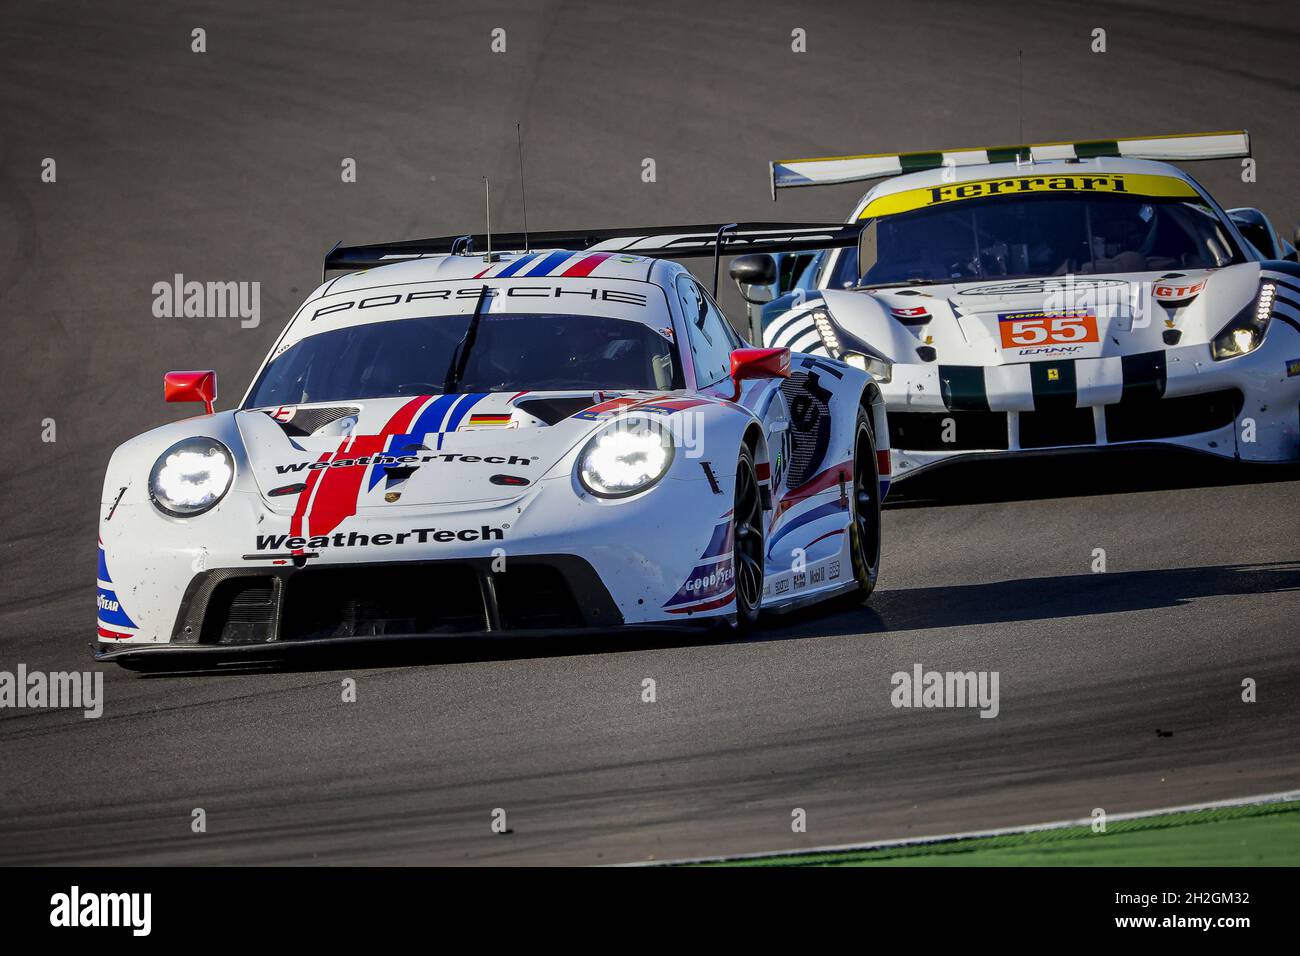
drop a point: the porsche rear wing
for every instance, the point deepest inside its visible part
(659, 242)
(829, 170)
(656, 242)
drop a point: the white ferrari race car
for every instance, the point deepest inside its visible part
(1054, 297)
(443, 442)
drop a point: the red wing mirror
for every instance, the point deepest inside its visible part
(758, 363)
(192, 387)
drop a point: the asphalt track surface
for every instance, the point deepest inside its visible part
(1118, 690)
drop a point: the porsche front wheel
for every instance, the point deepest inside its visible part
(864, 505)
(747, 553)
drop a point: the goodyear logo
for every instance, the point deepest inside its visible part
(1112, 183)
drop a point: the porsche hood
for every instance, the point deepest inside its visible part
(429, 451)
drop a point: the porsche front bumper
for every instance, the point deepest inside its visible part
(262, 614)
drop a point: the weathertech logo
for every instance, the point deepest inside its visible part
(365, 460)
(355, 539)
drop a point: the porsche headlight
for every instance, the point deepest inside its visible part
(1246, 330)
(627, 456)
(191, 476)
(848, 349)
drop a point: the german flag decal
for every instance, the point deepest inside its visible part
(476, 421)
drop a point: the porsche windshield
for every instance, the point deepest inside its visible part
(511, 352)
(1036, 236)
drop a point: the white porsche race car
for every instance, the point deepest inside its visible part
(453, 443)
(1054, 297)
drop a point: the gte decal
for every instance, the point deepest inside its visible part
(356, 539)
(1177, 291)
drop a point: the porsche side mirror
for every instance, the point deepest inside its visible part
(191, 387)
(755, 276)
(758, 363)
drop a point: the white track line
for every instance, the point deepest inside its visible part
(1282, 797)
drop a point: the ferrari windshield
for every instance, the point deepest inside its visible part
(532, 351)
(1036, 236)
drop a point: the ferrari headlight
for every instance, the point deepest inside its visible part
(191, 476)
(880, 368)
(855, 353)
(627, 456)
(826, 330)
(1246, 330)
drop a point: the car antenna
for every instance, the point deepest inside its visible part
(487, 199)
(1020, 105)
(523, 196)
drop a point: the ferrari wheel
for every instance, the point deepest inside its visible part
(864, 530)
(747, 555)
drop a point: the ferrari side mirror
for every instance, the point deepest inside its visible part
(755, 276)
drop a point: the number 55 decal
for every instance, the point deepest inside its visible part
(1023, 329)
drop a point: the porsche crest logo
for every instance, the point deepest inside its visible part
(392, 496)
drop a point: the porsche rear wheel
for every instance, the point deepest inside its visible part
(864, 504)
(747, 549)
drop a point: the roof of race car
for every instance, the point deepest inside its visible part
(541, 281)
(548, 263)
(1141, 177)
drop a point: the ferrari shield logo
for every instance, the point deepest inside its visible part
(392, 496)
(1053, 374)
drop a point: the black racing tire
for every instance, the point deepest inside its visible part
(864, 510)
(747, 545)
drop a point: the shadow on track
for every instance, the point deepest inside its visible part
(904, 609)
(1045, 598)
(1106, 471)
(1103, 472)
